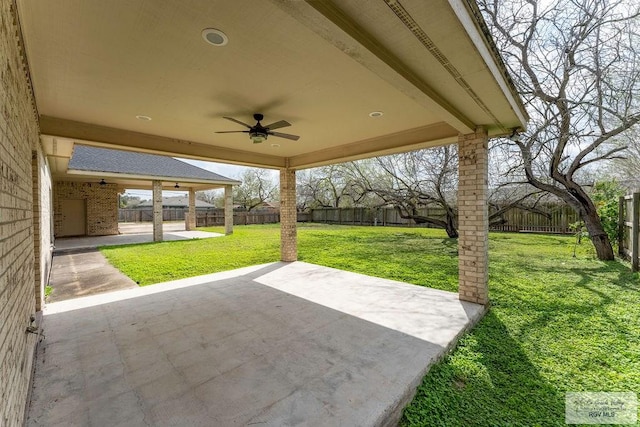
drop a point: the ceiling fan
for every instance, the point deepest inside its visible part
(259, 133)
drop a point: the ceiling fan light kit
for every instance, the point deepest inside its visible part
(258, 133)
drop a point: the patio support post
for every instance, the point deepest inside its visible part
(228, 209)
(157, 211)
(288, 215)
(473, 217)
(190, 218)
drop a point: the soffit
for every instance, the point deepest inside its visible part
(96, 65)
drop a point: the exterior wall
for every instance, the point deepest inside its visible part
(18, 136)
(288, 216)
(102, 205)
(473, 218)
(42, 222)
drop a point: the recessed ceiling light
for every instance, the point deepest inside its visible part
(215, 37)
(275, 145)
(376, 114)
(146, 118)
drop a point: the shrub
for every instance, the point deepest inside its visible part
(605, 196)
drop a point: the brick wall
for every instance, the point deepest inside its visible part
(102, 205)
(18, 137)
(288, 216)
(473, 218)
(42, 222)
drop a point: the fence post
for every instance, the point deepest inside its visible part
(621, 220)
(635, 230)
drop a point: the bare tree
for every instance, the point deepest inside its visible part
(213, 197)
(129, 201)
(628, 168)
(258, 187)
(329, 187)
(415, 180)
(576, 67)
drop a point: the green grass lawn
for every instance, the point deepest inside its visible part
(557, 323)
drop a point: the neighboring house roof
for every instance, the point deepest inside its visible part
(273, 205)
(176, 202)
(97, 159)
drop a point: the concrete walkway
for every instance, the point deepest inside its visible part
(279, 344)
(79, 269)
(131, 233)
(78, 274)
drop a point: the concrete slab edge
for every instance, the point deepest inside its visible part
(393, 416)
(93, 300)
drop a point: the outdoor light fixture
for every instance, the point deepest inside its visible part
(215, 37)
(258, 137)
(103, 182)
(176, 186)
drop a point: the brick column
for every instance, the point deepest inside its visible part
(157, 211)
(190, 218)
(228, 209)
(288, 216)
(473, 215)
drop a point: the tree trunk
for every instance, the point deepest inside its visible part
(451, 230)
(598, 236)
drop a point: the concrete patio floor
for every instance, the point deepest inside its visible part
(278, 344)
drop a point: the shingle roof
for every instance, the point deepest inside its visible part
(177, 201)
(96, 159)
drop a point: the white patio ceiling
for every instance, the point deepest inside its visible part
(321, 65)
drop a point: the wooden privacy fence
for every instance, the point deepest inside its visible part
(557, 220)
(216, 217)
(146, 214)
(205, 217)
(629, 229)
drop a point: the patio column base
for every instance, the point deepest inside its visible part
(473, 217)
(288, 216)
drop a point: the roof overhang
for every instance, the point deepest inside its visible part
(59, 152)
(321, 65)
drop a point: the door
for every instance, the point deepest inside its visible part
(74, 217)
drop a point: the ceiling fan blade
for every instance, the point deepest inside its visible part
(278, 125)
(284, 135)
(233, 131)
(237, 121)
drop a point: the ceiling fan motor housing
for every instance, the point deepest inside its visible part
(258, 133)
